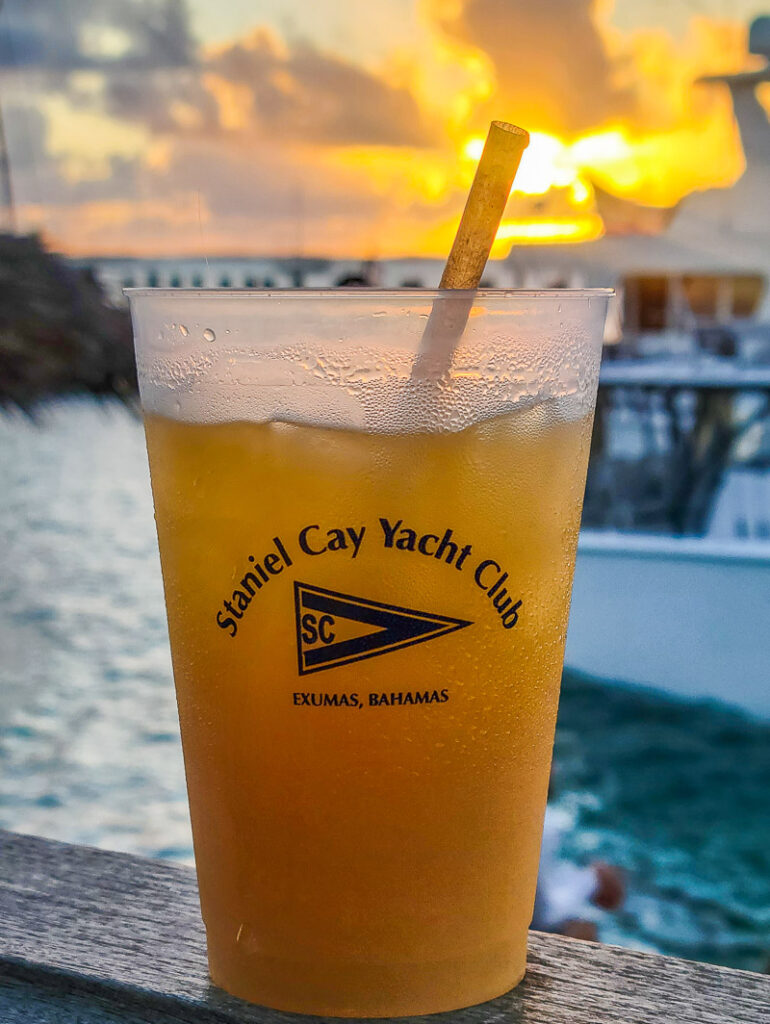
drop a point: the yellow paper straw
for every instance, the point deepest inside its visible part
(471, 247)
(484, 209)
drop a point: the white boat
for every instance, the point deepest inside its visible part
(689, 615)
(686, 615)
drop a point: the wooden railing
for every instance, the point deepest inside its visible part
(90, 937)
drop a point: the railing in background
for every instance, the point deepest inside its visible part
(103, 937)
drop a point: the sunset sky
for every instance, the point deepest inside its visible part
(343, 128)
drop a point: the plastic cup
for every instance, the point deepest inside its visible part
(367, 577)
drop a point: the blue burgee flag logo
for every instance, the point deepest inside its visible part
(337, 629)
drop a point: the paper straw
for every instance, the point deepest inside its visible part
(470, 250)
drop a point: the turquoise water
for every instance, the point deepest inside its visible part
(89, 745)
(678, 795)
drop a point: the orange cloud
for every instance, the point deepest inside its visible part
(259, 86)
(553, 66)
(262, 145)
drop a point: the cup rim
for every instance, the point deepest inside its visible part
(364, 292)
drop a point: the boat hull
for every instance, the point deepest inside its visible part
(689, 616)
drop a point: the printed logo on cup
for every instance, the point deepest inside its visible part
(337, 629)
(363, 628)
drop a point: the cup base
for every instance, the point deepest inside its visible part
(358, 989)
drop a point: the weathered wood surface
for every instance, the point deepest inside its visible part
(101, 938)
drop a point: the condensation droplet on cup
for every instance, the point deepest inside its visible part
(208, 335)
(183, 330)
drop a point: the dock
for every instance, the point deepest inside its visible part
(94, 937)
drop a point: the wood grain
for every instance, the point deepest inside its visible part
(97, 938)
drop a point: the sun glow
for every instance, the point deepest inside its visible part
(654, 170)
(550, 165)
(548, 162)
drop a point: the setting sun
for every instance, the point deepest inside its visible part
(655, 168)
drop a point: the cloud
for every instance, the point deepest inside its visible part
(153, 75)
(550, 59)
(262, 183)
(165, 102)
(300, 92)
(235, 135)
(26, 131)
(253, 143)
(36, 174)
(250, 199)
(61, 36)
(39, 176)
(260, 87)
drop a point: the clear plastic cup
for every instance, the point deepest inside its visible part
(367, 575)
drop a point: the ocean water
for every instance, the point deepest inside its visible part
(676, 794)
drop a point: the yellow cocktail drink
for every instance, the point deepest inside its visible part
(367, 633)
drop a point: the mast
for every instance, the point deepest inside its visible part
(8, 219)
(749, 112)
(7, 209)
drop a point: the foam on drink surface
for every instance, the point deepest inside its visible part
(360, 388)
